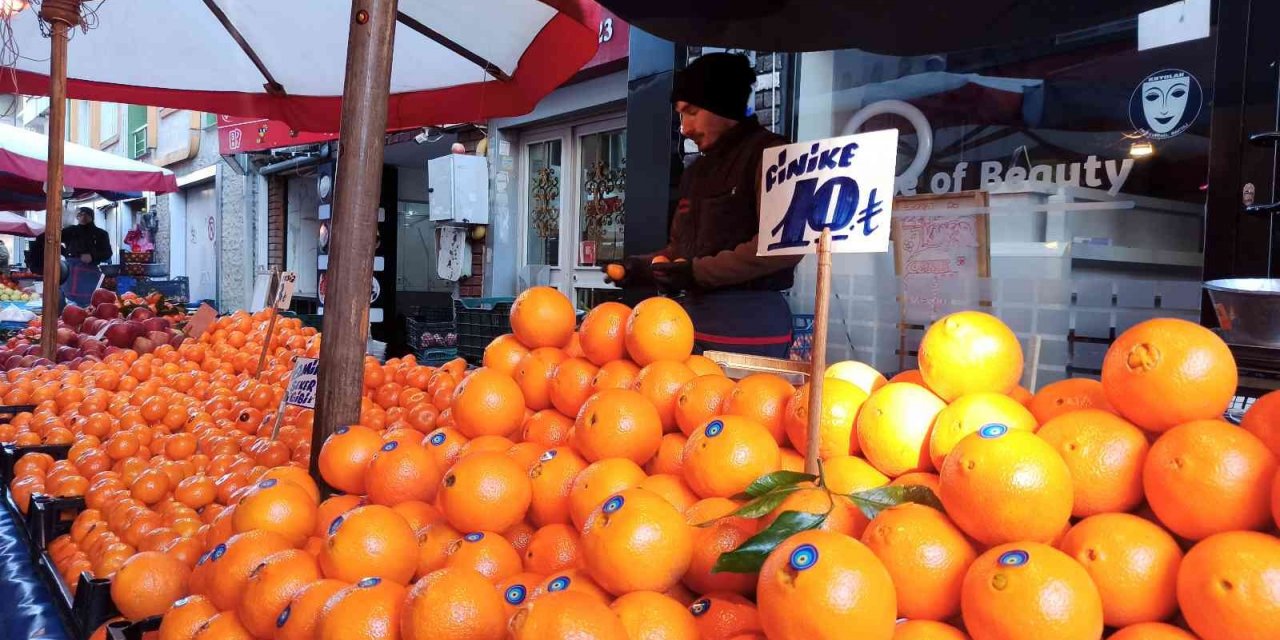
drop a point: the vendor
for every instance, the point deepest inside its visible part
(84, 241)
(733, 296)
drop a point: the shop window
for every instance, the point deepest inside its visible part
(108, 124)
(544, 197)
(137, 129)
(603, 197)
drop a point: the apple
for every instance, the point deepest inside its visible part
(156, 324)
(119, 335)
(27, 361)
(66, 354)
(177, 339)
(32, 350)
(41, 362)
(111, 350)
(142, 313)
(106, 310)
(158, 337)
(74, 315)
(102, 295)
(12, 362)
(67, 336)
(143, 345)
(92, 326)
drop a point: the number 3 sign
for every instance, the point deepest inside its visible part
(843, 184)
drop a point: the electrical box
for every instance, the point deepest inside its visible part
(459, 188)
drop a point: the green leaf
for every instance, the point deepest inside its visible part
(872, 501)
(750, 555)
(765, 504)
(776, 480)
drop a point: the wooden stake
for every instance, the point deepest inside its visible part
(272, 289)
(53, 185)
(362, 138)
(818, 357)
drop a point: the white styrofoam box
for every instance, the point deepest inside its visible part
(459, 188)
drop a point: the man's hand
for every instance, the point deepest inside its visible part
(86, 258)
(630, 272)
(674, 277)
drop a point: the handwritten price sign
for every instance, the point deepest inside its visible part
(302, 384)
(843, 184)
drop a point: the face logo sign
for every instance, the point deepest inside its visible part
(1165, 104)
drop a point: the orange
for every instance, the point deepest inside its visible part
(550, 481)
(636, 524)
(435, 543)
(652, 616)
(699, 400)
(542, 317)
(601, 333)
(1133, 562)
(566, 614)
(659, 329)
(927, 557)
(548, 428)
(704, 366)
(223, 626)
(534, 376)
(402, 473)
(301, 617)
(715, 533)
(968, 414)
(727, 454)
(619, 374)
(571, 580)
(517, 590)
(185, 617)
(617, 423)
(670, 456)
(504, 355)
(486, 553)
(488, 403)
(367, 610)
(147, 584)
(1030, 590)
(491, 444)
(841, 586)
(1065, 396)
(837, 435)
(1000, 485)
(661, 382)
(763, 397)
(555, 547)
(445, 446)
(526, 454)
(969, 352)
(453, 604)
(345, 456)
(1207, 477)
(1165, 372)
(851, 474)
(1105, 454)
(231, 562)
(485, 491)
(571, 385)
(670, 488)
(332, 508)
(1151, 631)
(597, 482)
(894, 426)
(1263, 420)
(1275, 499)
(725, 616)
(280, 507)
(841, 514)
(927, 630)
(1227, 586)
(296, 475)
(860, 374)
(368, 541)
(271, 587)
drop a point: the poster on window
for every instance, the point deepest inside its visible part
(941, 253)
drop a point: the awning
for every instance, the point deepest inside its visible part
(23, 169)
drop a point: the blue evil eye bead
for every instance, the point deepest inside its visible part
(515, 594)
(547, 456)
(559, 584)
(390, 446)
(613, 504)
(700, 607)
(267, 484)
(1014, 558)
(714, 429)
(993, 430)
(284, 616)
(803, 557)
(368, 582)
(473, 537)
(218, 551)
(333, 526)
(183, 601)
(204, 557)
(341, 430)
(437, 439)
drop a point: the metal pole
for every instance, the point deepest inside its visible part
(355, 211)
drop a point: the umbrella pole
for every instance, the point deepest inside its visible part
(61, 15)
(357, 192)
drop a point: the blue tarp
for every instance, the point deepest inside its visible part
(28, 611)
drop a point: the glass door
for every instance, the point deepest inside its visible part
(544, 198)
(599, 206)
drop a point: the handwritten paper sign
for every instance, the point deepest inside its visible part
(284, 290)
(940, 242)
(302, 383)
(843, 184)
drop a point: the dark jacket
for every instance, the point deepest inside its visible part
(717, 215)
(80, 239)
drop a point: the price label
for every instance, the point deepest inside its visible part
(302, 383)
(843, 184)
(284, 292)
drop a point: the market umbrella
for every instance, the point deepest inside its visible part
(15, 225)
(896, 27)
(23, 159)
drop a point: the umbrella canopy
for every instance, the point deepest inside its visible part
(896, 27)
(286, 59)
(16, 225)
(23, 170)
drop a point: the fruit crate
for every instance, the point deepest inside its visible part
(49, 517)
(88, 609)
(11, 453)
(425, 335)
(126, 630)
(480, 320)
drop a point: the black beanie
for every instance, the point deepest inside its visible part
(718, 82)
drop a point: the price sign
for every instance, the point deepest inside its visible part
(302, 383)
(284, 292)
(843, 184)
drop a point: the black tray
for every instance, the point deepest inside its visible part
(126, 630)
(11, 453)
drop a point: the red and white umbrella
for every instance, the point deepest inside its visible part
(15, 225)
(23, 156)
(285, 59)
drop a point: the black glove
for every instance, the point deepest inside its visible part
(674, 277)
(636, 273)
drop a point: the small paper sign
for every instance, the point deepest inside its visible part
(302, 383)
(200, 321)
(843, 184)
(284, 292)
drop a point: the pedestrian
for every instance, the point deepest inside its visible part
(85, 246)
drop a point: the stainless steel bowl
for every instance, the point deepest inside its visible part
(1248, 310)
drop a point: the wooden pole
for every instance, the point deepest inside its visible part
(818, 357)
(272, 290)
(61, 15)
(355, 219)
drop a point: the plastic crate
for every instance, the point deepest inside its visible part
(480, 320)
(436, 357)
(424, 335)
(11, 453)
(127, 630)
(177, 289)
(88, 609)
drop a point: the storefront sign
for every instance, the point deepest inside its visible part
(1165, 104)
(302, 383)
(843, 184)
(242, 135)
(1094, 173)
